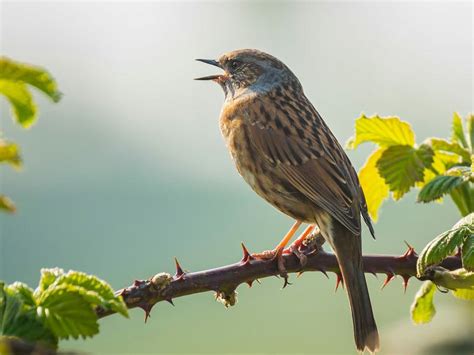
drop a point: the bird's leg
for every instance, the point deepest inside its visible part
(295, 246)
(277, 253)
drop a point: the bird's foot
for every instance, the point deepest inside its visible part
(307, 244)
(277, 255)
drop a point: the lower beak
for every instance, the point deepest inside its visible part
(210, 62)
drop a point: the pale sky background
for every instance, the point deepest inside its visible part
(129, 169)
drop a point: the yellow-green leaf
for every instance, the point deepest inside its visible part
(6, 204)
(67, 312)
(38, 77)
(422, 309)
(384, 131)
(470, 130)
(374, 187)
(10, 153)
(23, 107)
(438, 144)
(458, 131)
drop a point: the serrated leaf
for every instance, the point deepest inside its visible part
(445, 244)
(438, 187)
(422, 308)
(6, 204)
(38, 77)
(48, 277)
(10, 153)
(384, 131)
(14, 321)
(23, 107)
(24, 292)
(458, 131)
(438, 144)
(67, 313)
(92, 284)
(468, 253)
(374, 187)
(402, 166)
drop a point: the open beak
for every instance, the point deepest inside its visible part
(211, 62)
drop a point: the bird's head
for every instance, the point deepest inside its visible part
(249, 70)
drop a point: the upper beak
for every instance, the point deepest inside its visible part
(211, 62)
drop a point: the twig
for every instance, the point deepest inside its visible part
(224, 280)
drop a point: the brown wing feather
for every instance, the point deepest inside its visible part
(314, 164)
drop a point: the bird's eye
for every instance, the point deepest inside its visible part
(234, 64)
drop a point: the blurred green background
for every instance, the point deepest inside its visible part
(130, 170)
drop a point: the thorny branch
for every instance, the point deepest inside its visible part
(224, 280)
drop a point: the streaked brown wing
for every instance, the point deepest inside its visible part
(314, 164)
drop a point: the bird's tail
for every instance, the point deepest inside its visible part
(348, 250)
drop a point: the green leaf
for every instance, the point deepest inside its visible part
(24, 292)
(48, 277)
(6, 204)
(14, 321)
(402, 166)
(10, 153)
(470, 131)
(93, 285)
(384, 131)
(439, 186)
(32, 75)
(468, 253)
(438, 144)
(458, 131)
(422, 309)
(24, 109)
(67, 312)
(463, 197)
(445, 244)
(374, 187)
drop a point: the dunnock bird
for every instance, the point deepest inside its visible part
(285, 151)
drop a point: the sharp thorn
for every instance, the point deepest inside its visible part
(339, 281)
(258, 281)
(389, 278)
(147, 309)
(249, 282)
(324, 272)
(179, 270)
(299, 274)
(170, 301)
(137, 283)
(247, 256)
(405, 282)
(374, 273)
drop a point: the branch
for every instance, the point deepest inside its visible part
(224, 280)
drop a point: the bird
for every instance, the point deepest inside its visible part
(285, 151)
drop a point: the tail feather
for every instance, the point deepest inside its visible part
(348, 250)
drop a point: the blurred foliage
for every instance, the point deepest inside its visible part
(15, 80)
(438, 167)
(422, 309)
(62, 306)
